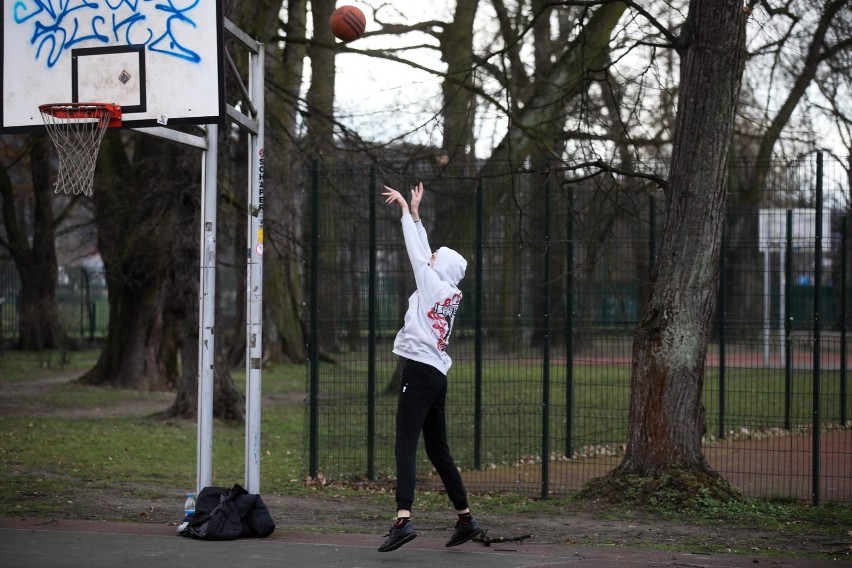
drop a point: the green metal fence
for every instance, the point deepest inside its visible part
(558, 266)
(81, 297)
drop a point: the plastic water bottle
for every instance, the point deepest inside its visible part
(189, 505)
(188, 512)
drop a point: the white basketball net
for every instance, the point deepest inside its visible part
(76, 130)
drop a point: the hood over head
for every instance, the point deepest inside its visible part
(449, 265)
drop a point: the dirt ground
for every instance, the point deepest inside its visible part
(330, 510)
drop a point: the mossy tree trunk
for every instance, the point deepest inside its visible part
(667, 421)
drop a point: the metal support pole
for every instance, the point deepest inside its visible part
(767, 300)
(372, 330)
(207, 312)
(545, 380)
(477, 380)
(723, 310)
(569, 330)
(815, 470)
(844, 244)
(313, 341)
(254, 277)
(788, 326)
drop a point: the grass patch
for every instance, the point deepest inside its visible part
(47, 459)
(77, 395)
(25, 365)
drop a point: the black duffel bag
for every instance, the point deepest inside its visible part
(227, 514)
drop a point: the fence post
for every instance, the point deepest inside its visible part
(371, 348)
(90, 306)
(569, 331)
(652, 234)
(477, 378)
(788, 326)
(83, 278)
(545, 379)
(816, 349)
(843, 292)
(723, 309)
(93, 319)
(313, 352)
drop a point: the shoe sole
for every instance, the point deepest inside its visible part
(397, 544)
(474, 534)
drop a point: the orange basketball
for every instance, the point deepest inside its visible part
(347, 23)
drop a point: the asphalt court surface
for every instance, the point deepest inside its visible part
(78, 544)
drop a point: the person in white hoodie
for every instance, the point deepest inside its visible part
(423, 342)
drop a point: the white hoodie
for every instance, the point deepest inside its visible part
(433, 306)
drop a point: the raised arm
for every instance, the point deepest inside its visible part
(411, 232)
(416, 197)
(393, 196)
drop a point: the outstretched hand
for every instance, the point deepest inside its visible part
(416, 197)
(393, 196)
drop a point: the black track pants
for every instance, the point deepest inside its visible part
(421, 407)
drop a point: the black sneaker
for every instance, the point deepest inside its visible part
(398, 536)
(464, 532)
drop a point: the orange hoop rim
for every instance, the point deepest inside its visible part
(71, 111)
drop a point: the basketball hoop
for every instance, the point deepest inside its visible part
(77, 130)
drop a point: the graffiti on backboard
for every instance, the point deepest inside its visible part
(164, 26)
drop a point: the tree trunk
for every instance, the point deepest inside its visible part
(181, 312)
(666, 421)
(137, 350)
(320, 96)
(135, 236)
(34, 252)
(148, 215)
(39, 326)
(459, 100)
(284, 333)
(320, 139)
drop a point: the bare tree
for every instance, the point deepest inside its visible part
(666, 421)
(824, 36)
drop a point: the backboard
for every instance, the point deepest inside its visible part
(160, 60)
